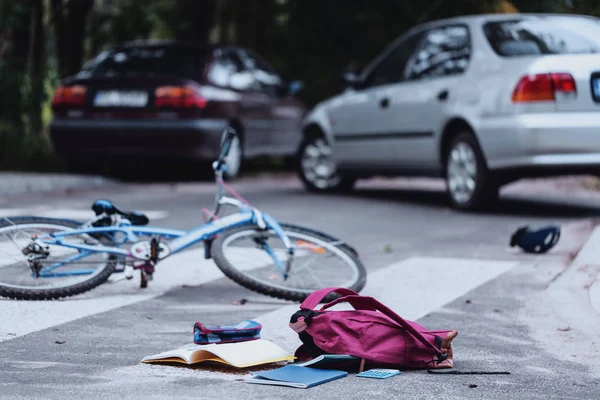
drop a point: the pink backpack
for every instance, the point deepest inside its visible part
(371, 332)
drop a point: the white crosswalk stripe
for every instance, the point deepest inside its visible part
(413, 287)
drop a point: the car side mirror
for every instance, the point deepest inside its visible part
(295, 87)
(352, 80)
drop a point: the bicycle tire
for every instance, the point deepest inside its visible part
(53, 294)
(275, 291)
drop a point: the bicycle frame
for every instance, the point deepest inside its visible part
(180, 239)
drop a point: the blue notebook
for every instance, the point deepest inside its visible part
(296, 376)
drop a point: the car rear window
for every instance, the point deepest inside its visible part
(544, 35)
(182, 62)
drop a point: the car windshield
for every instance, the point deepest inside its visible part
(544, 35)
(183, 62)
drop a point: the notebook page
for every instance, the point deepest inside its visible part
(248, 353)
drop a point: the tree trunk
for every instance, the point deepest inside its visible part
(70, 20)
(203, 19)
(224, 21)
(194, 20)
(14, 45)
(36, 66)
(79, 11)
(60, 34)
(265, 19)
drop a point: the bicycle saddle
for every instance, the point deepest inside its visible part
(108, 207)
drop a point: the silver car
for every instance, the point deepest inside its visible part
(480, 100)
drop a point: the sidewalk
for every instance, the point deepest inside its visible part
(589, 259)
(19, 183)
(576, 292)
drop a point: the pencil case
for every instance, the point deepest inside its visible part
(244, 331)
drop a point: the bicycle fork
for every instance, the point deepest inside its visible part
(270, 222)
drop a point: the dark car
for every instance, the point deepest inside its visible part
(170, 101)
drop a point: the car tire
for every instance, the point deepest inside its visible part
(470, 184)
(234, 158)
(316, 167)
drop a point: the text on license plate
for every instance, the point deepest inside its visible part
(114, 98)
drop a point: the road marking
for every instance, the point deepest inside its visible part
(81, 215)
(19, 318)
(413, 288)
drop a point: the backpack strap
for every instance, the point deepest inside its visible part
(369, 303)
(317, 296)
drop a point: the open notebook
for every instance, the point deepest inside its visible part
(240, 354)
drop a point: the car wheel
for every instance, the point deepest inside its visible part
(317, 168)
(470, 184)
(234, 158)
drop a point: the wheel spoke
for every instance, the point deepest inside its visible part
(316, 265)
(68, 266)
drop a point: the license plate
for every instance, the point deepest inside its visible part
(596, 88)
(117, 98)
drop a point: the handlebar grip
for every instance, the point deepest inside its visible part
(228, 136)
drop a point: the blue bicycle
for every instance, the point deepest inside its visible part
(49, 258)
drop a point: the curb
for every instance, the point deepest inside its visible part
(17, 183)
(576, 292)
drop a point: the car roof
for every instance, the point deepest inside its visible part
(479, 18)
(150, 43)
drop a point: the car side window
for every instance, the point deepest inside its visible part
(227, 70)
(444, 51)
(391, 68)
(266, 78)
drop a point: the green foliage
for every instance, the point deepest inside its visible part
(310, 40)
(131, 20)
(317, 47)
(22, 142)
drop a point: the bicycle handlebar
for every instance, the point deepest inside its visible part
(226, 139)
(218, 166)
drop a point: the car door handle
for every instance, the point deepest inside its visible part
(443, 95)
(384, 103)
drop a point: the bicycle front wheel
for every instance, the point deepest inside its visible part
(52, 273)
(254, 258)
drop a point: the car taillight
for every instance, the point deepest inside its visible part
(69, 95)
(178, 97)
(543, 87)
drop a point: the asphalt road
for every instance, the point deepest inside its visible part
(505, 320)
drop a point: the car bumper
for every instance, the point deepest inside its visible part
(567, 141)
(183, 139)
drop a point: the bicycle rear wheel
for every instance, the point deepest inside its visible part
(319, 261)
(62, 272)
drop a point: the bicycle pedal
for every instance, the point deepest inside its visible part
(144, 279)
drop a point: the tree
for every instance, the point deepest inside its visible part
(70, 18)
(190, 20)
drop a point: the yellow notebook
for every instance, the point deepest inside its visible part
(240, 354)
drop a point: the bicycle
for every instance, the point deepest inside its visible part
(124, 243)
